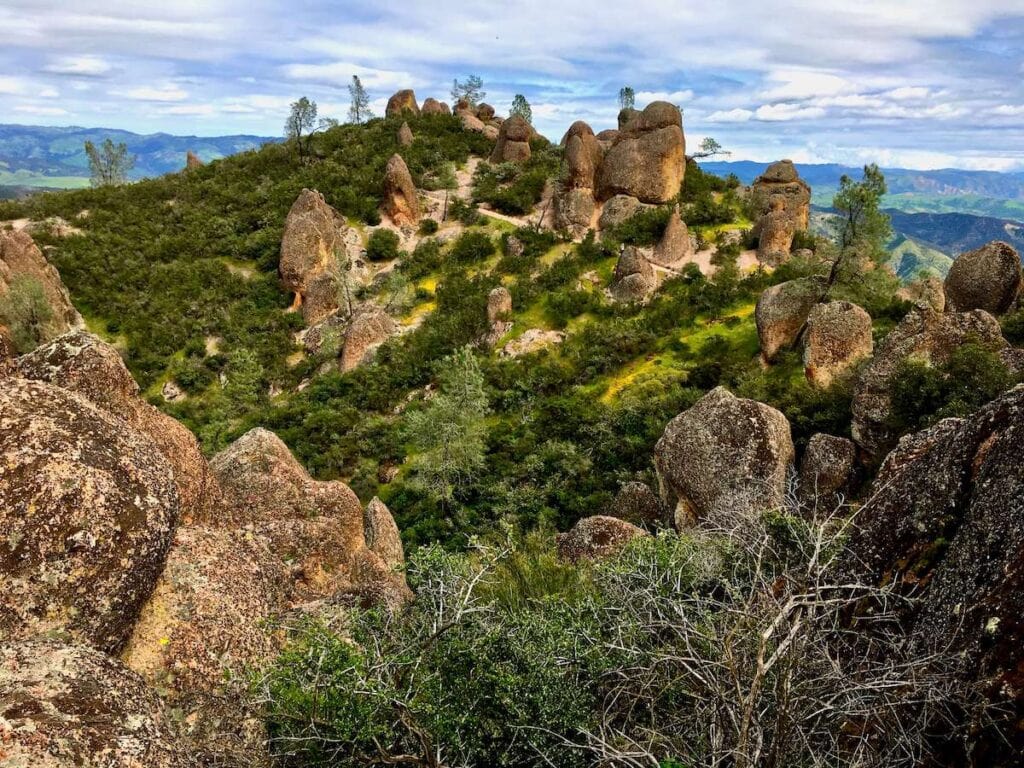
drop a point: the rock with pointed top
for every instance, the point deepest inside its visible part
(675, 246)
(838, 337)
(987, 278)
(583, 155)
(634, 278)
(192, 161)
(314, 235)
(405, 137)
(401, 203)
(402, 102)
(513, 142)
(648, 158)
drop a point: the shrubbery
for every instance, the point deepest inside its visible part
(382, 245)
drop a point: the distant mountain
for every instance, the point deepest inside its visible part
(38, 156)
(954, 233)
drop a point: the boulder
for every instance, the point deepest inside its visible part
(636, 503)
(8, 352)
(382, 536)
(724, 458)
(619, 209)
(927, 291)
(987, 278)
(675, 246)
(367, 331)
(583, 155)
(88, 507)
(777, 229)
(471, 122)
(827, 471)
(944, 523)
(69, 706)
(513, 143)
(401, 203)
(21, 260)
(648, 158)
(607, 137)
(314, 235)
(924, 335)
(499, 305)
(83, 363)
(405, 137)
(574, 211)
(485, 112)
(192, 161)
(172, 393)
(326, 337)
(634, 278)
(782, 312)
(491, 132)
(402, 102)
(432, 106)
(626, 114)
(780, 190)
(597, 537)
(838, 337)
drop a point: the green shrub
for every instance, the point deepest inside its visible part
(26, 312)
(428, 226)
(472, 248)
(382, 245)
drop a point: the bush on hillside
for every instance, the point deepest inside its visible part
(382, 245)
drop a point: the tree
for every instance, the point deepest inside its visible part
(448, 434)
(244, 380)
(109, 164)
(301, 124)
(521, 107)
(862, 228)
(627, 97)
(709, 148)
(472, 90)
(27, 314)
(359, 111)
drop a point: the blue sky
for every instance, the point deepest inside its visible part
(912, 83)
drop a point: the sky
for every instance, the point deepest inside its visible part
(905, 83)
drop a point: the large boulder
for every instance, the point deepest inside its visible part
(314, 235)
(619, 209)
(432, 106)
(402, 103)
(782, 311)
(22, 261)
(485, 112)
(828, 471)
(636, 503)
(648, 158)
(499, 305)
(88, 507)
(987, 278)
(838, 337)
(583, 155)
(574, 210)
(923, 335)
(70, 706)
(85, 364)
(626, 114)
(367, 331)
(945, 523)
(675, 247)
(382, 535)
(723, 458)
(405, 137)
(400, 201)
(513, 144)
(597, 537)
(634, 278)
(781, 201)
(777, 229)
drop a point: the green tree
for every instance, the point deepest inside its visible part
(862, 229)
(27, 314)
(627, 97)
(471, 89)
(521, 107)
(109, 163)
(448, 433)
(359, 110)
(301, 124)
(709, 147)
(244, 380)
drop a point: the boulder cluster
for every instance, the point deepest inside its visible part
(782, 202)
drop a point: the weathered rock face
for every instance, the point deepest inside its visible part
(485, 112)
(192, 161)
(382, 536)
(405, 137)
(725, 456)
(782, 311)
(499, 304)
(675, 246)
(574, 211)
(827, 470)
(432, 106)
(777, 231)
(21, 259)
(513, 144)
(471, 122)
(367, 331)
(400, 201)
(7, 352)
(314, 235)
(597, 537)
(926, 291)
(783, 204)
(924, 335)
(67, 706)
(619, 209)
(88, 506)
(636, 503)
(838, 337)
(987, 278)
(648, 158)
(634, 278)
(945, 522)
(532, 340)
(402, 102)
(626, 114)
(82, 363)
(583, 155)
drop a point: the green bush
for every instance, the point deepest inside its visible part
(472, 248)
(382, 245)
(428, 226)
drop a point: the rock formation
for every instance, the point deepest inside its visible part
(513, 144)
(626, 114)
(465, 112)
(648, 158)
(314, 235)
(619, 209)
(574, 211)
(636, 503)
(499, 305)
(367, 331)
(827, 471)
(838, 337)
(192, 161)
(87, 509)
(485, 112)
(926, 291)
(987, 278)
(782, 312)
(782, 201)
(382, 535)
(432, 106)
(574, 201)
(923, 335)
(777, 231)
(7, 352)
(402, 102)
(405, 137)
(532, 340)
(597, 537)
(723, 459)
(401, 204)
(675, 246)
(634, 278)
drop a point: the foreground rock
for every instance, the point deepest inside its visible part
(402, 102)
(827, 471)
(314, 235)
(634, 278)
(401, 204)
(513, 144)
(987, 278)
(597, 537)
(68, 706)
(923, 335)
(648, 157)
(723, 459)
(838, 337)
(782, 311)
(88, 507)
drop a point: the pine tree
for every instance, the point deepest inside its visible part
(359, 111)
(521, 107)
(472, 90)
(627, 97)
(109, 164)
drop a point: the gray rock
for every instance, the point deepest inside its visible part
(987, 278)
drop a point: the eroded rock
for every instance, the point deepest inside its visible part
(648, 157)
(838, 337)
(597, 537)
(401, 203)
(987, 278)
(513, 142)
(367, 331)
(827, 471)
(402, 102)
(782, 312)
(314, 236)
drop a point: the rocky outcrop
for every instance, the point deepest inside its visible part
(485, 112)
(782, 312)
(467, 114)
(69, 706)
(923, 335)
(926, 292)
(382, 535)
(401, 203)
(944, 522)
(725, 458)
(88, 507)
(987, 278)
(499, 305)
(513, 143)
(20, 261)
(405, 137)
(86, 365)
(432, 106)
(402, 102)
(532, 340)
(838, 337)
(634, 278)
(782, 202)
(675, 247)
(648, 157)
(574, 211)
(776, 234)
(192, 161)
(314, 235)
(597, 537)
(619, 209)
(636, 503)
(827, 471)
(626, 114)
(367, 331)
(574, 203)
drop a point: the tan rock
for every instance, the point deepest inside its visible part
(648, 158)
(574, 211)
(485, 112)
(925, 291)
(675, 247)
(636, 503)
(987, 278)
(634, 278)
(401, 203)
(513, 143)
(619, 209)
(596, 538)
(405, 137)
(192, 161)
(382, 535)
(838, 337)
(777, 229)
(402, 102)
(780, 190)
(782, 312)
(432, 106)
(314, 236)
(367, 331)
(532, 340)
(499, 304)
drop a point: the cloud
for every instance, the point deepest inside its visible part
(32, 109)
(11, 85)
(339, 74)
(776, 113)
(149, 93)
(1009, 110)
(193, 110)
(675, 97)
(80, 66)
(730, 116)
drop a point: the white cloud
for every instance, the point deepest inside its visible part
(11, 85)
(339, 74)
(32, 109)
(193, 110)
(908, 93)
(804, 84)
(730, 116)
(773, 113)
(49, 93)
(150, 93)
(81, 66)
(1009, 110)
(680, 98)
